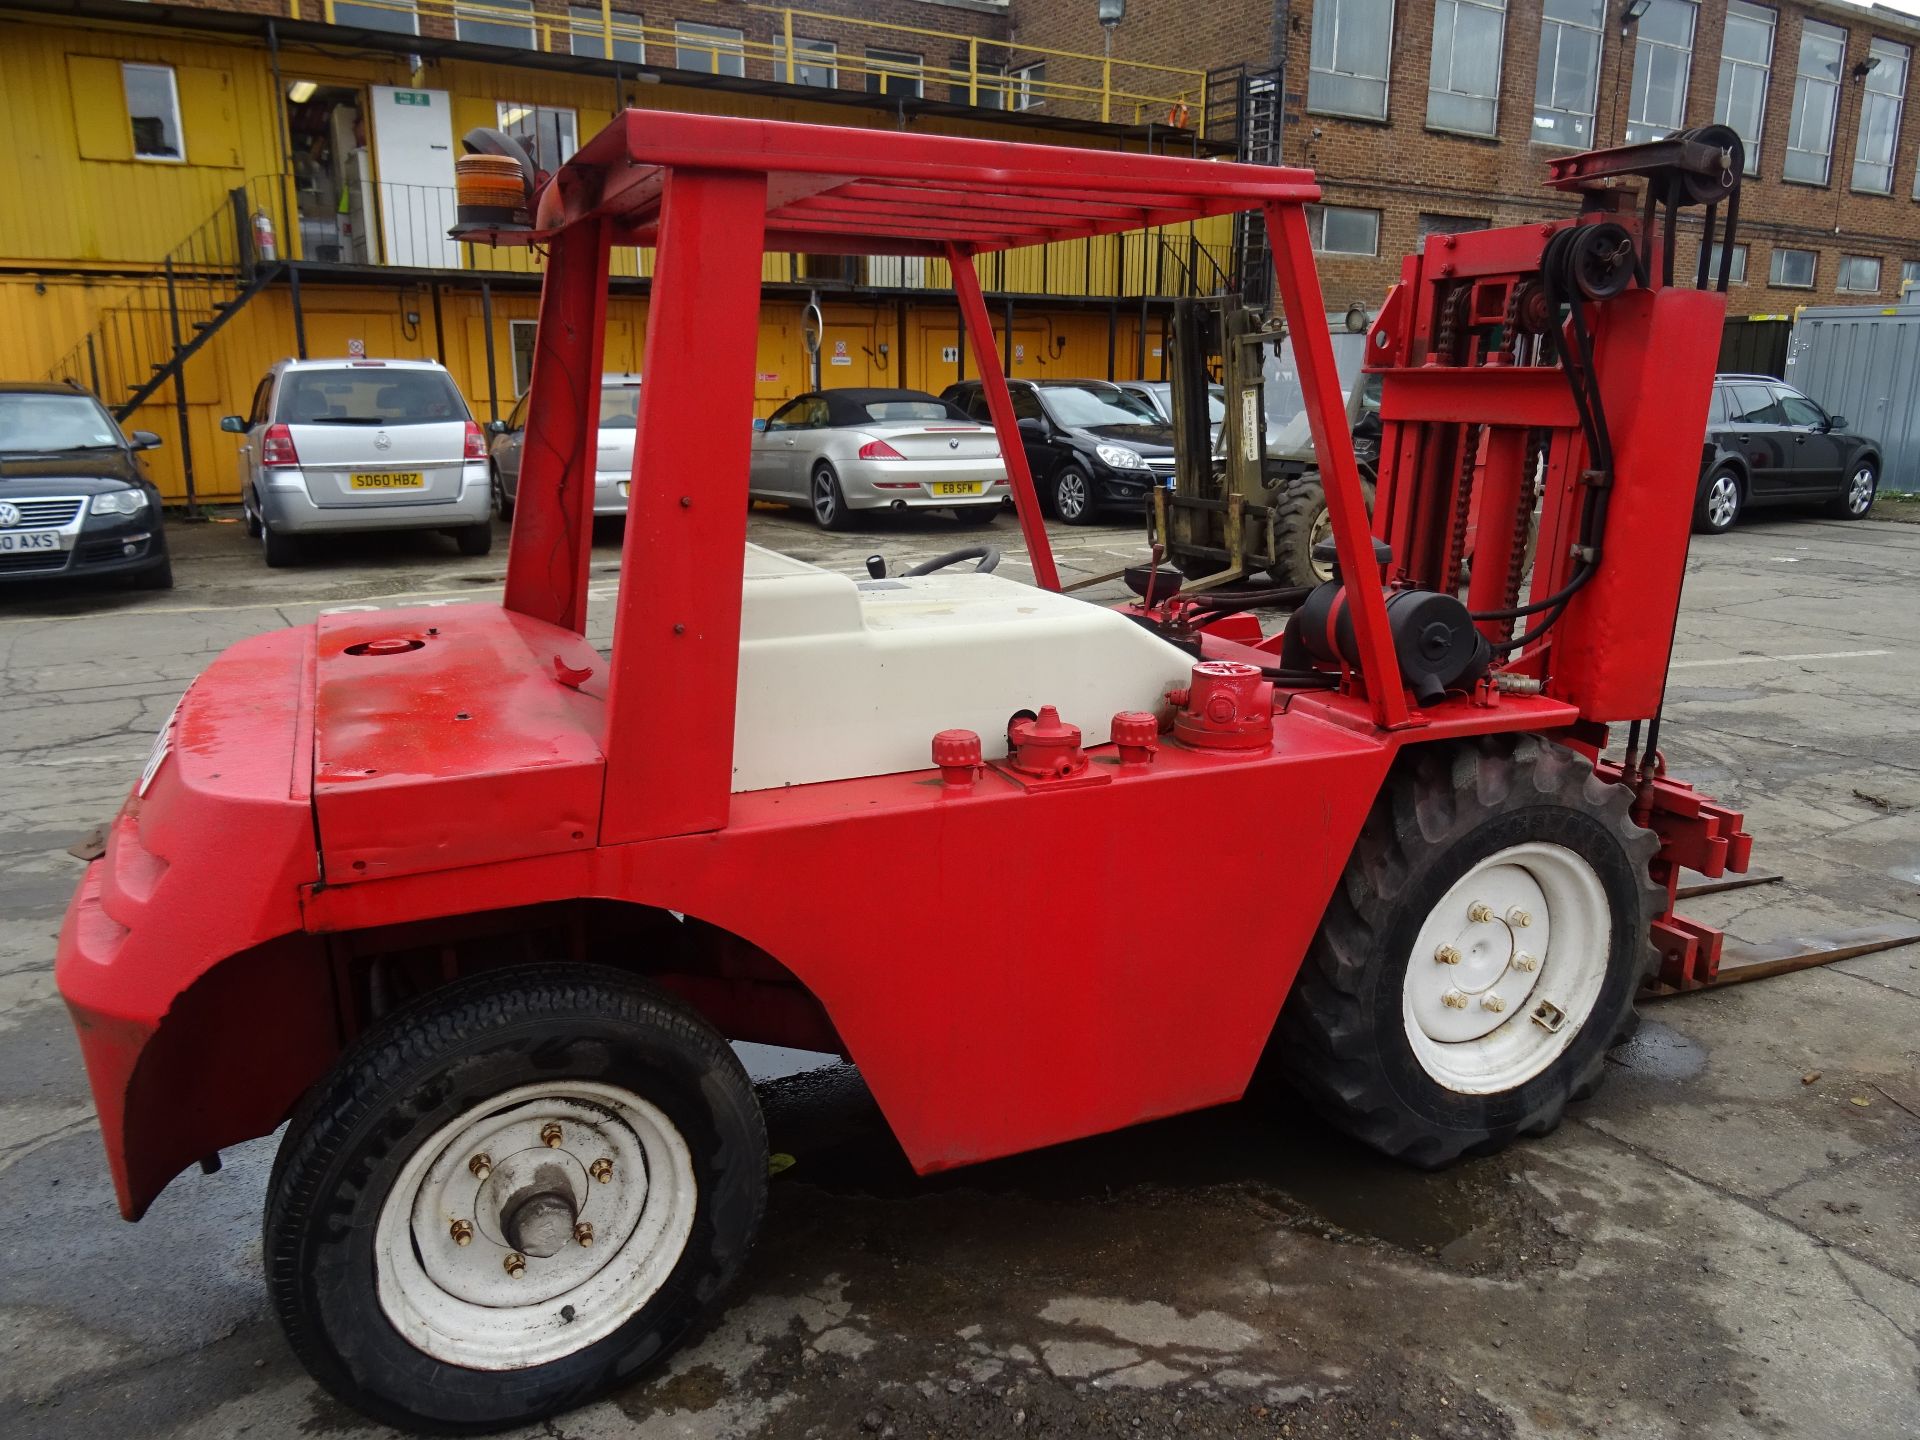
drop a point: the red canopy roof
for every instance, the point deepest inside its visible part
(838, 189)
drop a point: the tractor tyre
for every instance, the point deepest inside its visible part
(1479, 956)
(1301, 521)
(511, 1196)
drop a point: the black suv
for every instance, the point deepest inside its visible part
(74, 497)
(1089, 443)
(1771, 445)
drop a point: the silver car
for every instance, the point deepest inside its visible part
(842, 451)
(613, 460)
(1159, 395)
(334, 446)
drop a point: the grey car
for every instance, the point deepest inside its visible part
(613, 455)
(1159, 395)
(842, 451)
(337, 446)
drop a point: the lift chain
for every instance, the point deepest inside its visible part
(1462, 507)
(1531, 480)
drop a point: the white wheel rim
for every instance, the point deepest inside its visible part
(1479, 1017)
(1723, 499)
(1072, 495)
(460, 1303)
(1860, 494)
(1321, 529)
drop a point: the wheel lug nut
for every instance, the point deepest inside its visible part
(601, 1170)
(1479, 912)
(1447, 955)
(1454, 1000)
(550, 1134)
(1524, 961)
(461, 1231)
(515, 1263)
(1519, 918)
(480, 1166)
(583, 1232)
(1493, 1003)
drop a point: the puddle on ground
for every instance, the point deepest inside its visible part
(1660, 1052)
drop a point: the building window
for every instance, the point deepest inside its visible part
(550, 136)
(1352, 45)
(1569, 77)
(1880, 103)
(895, 72)
(588, 34)
(1463, 83)
(1746, 56)
(816, 63)
(1029, 88)
(495, 22)
(394, 16)
(709, 49)
(1909, 277)
(520, 338)
(1792, 269)
(1736, 272)
(1816, 97)
(1343, 230)
(1449, 225)
(153, 110)
(1859, 274)
(1662, 56)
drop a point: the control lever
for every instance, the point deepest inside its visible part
(877, 566)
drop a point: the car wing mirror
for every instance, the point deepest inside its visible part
(759, 427)
(496, 427)
(1034, 428)
(234, 424)
(145, 440)
(1836, 422)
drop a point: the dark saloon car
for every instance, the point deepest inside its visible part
(1089, 443)
(74, 497)
(1771, 445)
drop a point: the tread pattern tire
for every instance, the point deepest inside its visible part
(1703, 521)
(1297, 511)
(1341, 1040)
(1840, 507)
(474, 540)
(279, 550)
(1089, 510)
(426, 1064)
(840, 517)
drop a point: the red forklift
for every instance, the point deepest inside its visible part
(474, 908)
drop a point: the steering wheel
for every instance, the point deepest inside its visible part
(987, 555)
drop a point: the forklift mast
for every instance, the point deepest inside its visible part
(1218, 522)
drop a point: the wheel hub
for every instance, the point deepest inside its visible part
(536, 1222)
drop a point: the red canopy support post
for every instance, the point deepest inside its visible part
(676, 637)
(993, 384)
(1306, 312)
(553, 512)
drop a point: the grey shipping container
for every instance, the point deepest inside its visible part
(1862, 362)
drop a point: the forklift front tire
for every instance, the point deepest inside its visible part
(1301, 521)
(512, 1196)
(1479, 956)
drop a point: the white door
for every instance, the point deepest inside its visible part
(413, 148)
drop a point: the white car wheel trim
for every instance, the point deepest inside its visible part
(1507, 968)
(460, 1303)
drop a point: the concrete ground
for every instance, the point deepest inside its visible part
(1725, 1242)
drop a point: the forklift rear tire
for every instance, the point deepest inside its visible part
(1301, 521)
(1479, 956)
(424, 1236)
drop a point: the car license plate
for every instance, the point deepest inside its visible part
(14, 542)
(956, 487)
(389, 480)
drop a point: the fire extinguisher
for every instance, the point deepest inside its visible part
(264, 248)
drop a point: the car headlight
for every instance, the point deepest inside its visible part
(119, 502)
(1119, 457)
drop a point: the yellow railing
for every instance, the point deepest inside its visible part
(994, 75)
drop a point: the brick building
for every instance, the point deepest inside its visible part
(1427, 115)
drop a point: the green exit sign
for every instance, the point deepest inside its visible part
(412, 97)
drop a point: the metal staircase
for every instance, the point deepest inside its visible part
(1250, 110)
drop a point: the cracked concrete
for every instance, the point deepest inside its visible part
(1716, 1245)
